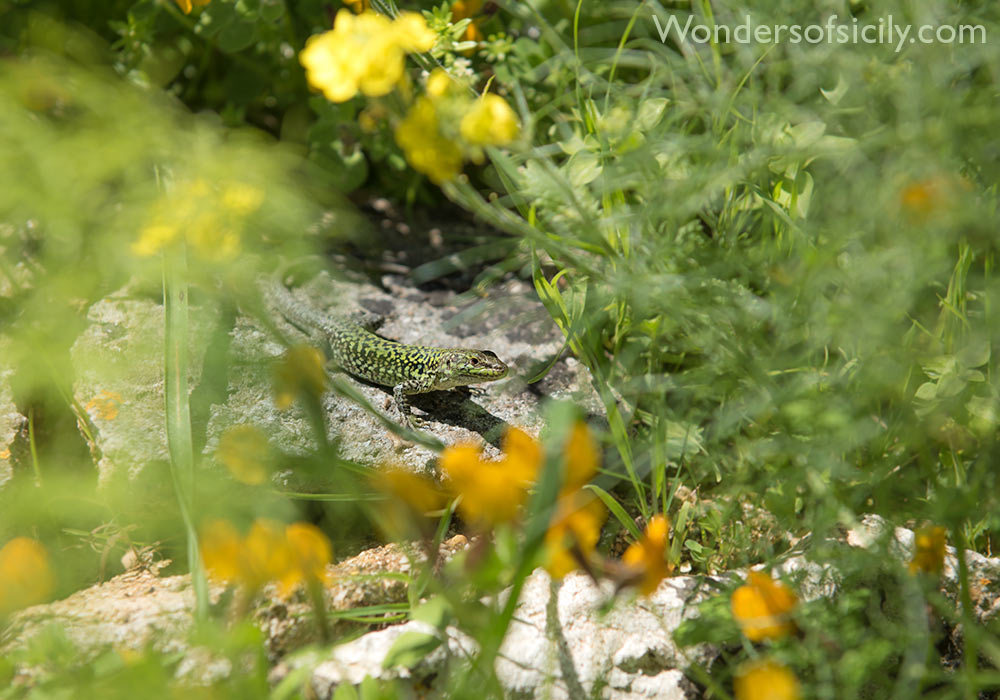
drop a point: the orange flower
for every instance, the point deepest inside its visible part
(309, 553)
(761, 607)
(411, 498)
(766, 680)
(220, 551)
(188, 5)
(463, 9)
(574, 530)
(648, 556)
(493, 491)
(26, 576)
(291, 555)
(928, 554)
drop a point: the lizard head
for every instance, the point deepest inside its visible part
(461, 367)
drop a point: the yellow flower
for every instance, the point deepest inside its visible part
(464, 9)
(187, 5)
(490, 122)
(412, 33)
(195, 211)
(26, 576)
(242, 198)
(647, 558)
(289, 556)
(439, 83)
(582, 457)
(412, 498)
(221, 547)
(761, 608)
(573, 532)
(153, 238)
(928, 555)
(766, 680)
(358, 6)
(491, 491)
(430, 153)
(309, 552)
(212, 238)
(300, 371)
(363, 53)
(265, 555)
(105, 405)
(244, 451)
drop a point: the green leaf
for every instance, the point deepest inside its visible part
(410, 648)
(345, 692)
(926, 391)
(974, 355)
(616, 510)
(436, 611)
(237, 36)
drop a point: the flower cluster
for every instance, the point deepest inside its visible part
(210, 218)
(438, 131)
(766, 680)
(493, 491)
(449, 125)
(929, 550)
(287, 555)
(762, 607)
(363, 53)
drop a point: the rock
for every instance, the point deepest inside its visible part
(563, 643)
(118, 365)
(516, 328)
(12, 422)
(568, 639)
(138, 609)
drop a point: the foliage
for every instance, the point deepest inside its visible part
(776, 261)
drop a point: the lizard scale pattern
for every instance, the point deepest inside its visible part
(408, 369)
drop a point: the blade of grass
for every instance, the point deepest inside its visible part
(179, 440)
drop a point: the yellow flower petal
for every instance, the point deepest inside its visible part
(26, 576)
(490, 122)
(309, 552)
(573, 532)
(582, 456)
(929, 550)
(766, 680)
(412, 33)
(220, 545)
(761, 607)
(648, 557)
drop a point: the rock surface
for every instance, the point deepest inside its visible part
(516, 328)
(569, 639)
(118, 365)
(12, 422)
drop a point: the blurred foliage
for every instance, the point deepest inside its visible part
(777, 261)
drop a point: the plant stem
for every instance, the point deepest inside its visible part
(179, 441)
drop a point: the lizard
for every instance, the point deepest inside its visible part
(408, 369)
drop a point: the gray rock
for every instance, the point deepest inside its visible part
(563, 643)
(118, 365)
(12, 422)
(516, 328)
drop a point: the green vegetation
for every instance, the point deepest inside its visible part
(777, 261)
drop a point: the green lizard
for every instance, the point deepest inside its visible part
(408, 369)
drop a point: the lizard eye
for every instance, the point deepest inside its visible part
(474, 360)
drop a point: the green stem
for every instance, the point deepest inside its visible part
(179, 440)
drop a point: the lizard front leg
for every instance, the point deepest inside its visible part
(414, 385)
